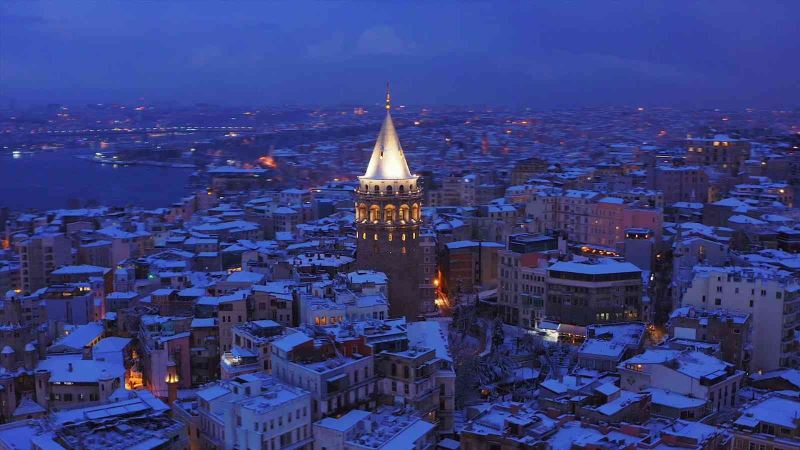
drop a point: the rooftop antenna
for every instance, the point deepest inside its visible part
(388, 98)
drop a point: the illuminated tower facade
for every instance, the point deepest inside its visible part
(388, 220)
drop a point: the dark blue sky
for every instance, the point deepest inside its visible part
(543, 54)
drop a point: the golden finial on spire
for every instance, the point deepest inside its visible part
(388, 98)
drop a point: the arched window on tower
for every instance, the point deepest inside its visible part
(388, 189)
(415, 211)
(362, 213)
(374, 213)
(389, 213)
(377, 189)
(401, 189)
(404, 213)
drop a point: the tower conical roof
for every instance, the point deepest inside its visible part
(388, 161)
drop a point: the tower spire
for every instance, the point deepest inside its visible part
(387, 161)
(388, 97)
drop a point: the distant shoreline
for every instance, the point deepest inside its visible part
(95, 159)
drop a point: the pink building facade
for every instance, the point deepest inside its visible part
(609, 220)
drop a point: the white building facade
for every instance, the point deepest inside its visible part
(769, 295)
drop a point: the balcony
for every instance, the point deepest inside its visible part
(298, 444)
(412, 195)
(236, 363)
(211, 441)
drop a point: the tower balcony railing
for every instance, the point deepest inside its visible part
(392, 223)
(395, 194)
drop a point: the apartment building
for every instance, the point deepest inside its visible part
(205, 361)
(422, 380)
(721, 151)
(687, 373)
(521, 276)
(72, 303)
(386, 428)
(771, 423)
(590, 217)
(593, 291)
(339, 374)
(467, 265)
(251, 349)
(229, 310)
(770, 296)
(126, 242)
(162, 340)
(727, 330)
(130, 419)
(253, 411)
(277, 301)
(527, 169)
(680, 183)
(40, 255)
(67, 381)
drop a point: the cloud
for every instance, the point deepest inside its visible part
(330, 48)
(382, 40)
(203, 56)
(561, 65)
(21, 20)
(648, 69)
(377, 40)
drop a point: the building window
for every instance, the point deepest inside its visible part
(767, 429)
